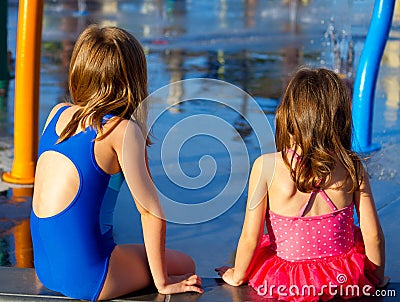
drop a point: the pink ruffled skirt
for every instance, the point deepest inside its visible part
(348, 275)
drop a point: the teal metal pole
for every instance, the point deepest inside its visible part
(367, 74)
(4, 72)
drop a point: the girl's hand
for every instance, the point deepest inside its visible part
(226, 273)
(181, 284)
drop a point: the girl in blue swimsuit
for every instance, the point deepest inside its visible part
(80, 167)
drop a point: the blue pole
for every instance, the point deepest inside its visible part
(367, 74)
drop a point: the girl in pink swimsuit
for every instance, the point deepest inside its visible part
(305, 196)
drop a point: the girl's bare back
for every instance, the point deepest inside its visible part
(285, 199)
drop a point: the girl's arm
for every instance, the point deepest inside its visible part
(253, 226)
(371, 229)
(130, 147)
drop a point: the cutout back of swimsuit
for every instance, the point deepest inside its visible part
(69, 162)
(51, 196)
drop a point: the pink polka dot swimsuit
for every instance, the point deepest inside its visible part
(300, 237)
(320, 252)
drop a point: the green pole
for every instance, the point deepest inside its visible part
(4, 71)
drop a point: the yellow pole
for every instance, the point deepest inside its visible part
(22, 232)
(23, 245)
(26, 103)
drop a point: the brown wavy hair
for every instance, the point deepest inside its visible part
(108, 75)
(314, 119)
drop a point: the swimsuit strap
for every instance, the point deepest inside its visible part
(53, 122)
(106, 118)
(312, 195)
(328, 200)
(296, 156)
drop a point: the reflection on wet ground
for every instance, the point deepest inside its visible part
(15, 241)
(251, 44)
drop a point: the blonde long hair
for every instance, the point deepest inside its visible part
(314, 118)
(108, 75)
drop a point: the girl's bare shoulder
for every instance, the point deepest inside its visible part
(268, 159)
(120, 125)
(122, 129)
(265, 165)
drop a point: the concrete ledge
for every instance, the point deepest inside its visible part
(21, 284)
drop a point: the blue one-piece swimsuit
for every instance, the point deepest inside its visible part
(72, 248)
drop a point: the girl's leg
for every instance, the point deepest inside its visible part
(128, 269)
(179, 263)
